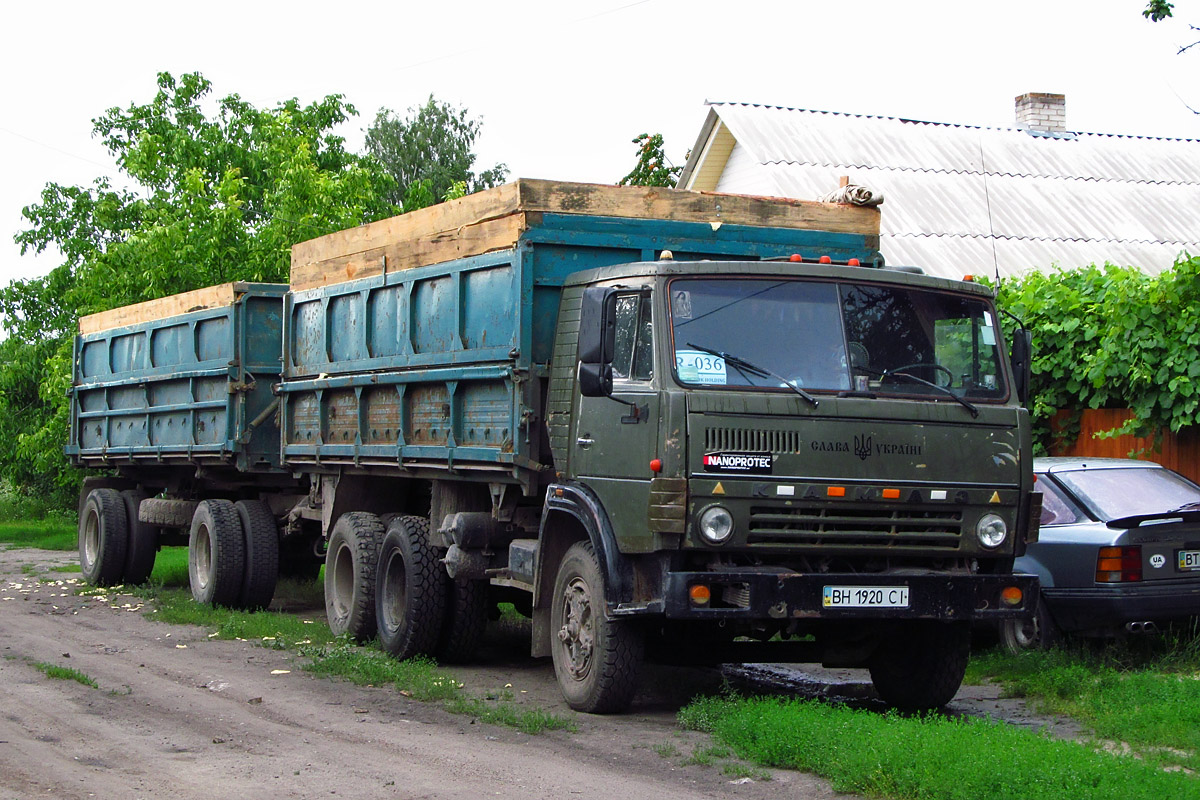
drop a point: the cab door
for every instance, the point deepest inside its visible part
(616, 437)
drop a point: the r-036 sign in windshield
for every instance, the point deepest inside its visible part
(744, 463)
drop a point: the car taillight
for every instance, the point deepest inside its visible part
(1119, 564)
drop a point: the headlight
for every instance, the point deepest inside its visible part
(716, 525)
(991, 530)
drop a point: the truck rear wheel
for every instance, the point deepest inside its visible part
(103, 537)
(143, 540)
(350, 575)
(920, 664)
(465, 622)
(262, 554)
(411, 600)
(596, 659)
(216, 554)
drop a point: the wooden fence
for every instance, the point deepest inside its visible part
(1180, 452)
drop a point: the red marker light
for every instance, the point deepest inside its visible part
(796, 257)
(826, 260)
(854, 262)
(656, 465)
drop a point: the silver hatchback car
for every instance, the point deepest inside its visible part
(1119, 550)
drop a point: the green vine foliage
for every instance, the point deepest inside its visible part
(1112, 337)
(652, 168)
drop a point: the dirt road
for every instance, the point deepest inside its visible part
(178, 714)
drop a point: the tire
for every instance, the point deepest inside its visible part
(103, 537)
(920, 664)
(143, 540)
(216, 554)
(165, 513)
(596, 658)
(262, 554)
(465, 620)
(350, 575)
(1038, 633)
(412, 592)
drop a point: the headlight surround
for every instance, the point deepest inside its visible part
(991, 530)
(716, 525)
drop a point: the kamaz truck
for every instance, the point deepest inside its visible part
(671, 425)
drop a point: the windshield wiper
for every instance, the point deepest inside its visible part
(742, 364)
(969, 407)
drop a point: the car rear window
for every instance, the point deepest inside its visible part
(1122, 492)
(1057, 509)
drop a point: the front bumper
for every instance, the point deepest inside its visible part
(1110, 606)
(778, 595)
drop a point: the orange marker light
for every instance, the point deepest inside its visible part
(796, 257)
(891, 494)
(656, 465)
(1012, 596)
(969, 278)
(700, 594)
(826, 260)
(836, 491)
(854, 262)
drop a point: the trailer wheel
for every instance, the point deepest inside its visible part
(262, 554)
(411, 598)
(596, 658)
(216, 554)
(466, 619)
(350, 574)
(143, 540)
(920, 664)
(103, 537)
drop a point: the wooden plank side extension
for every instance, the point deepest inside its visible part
(196, 300)
(1180, 452)
(447, 231)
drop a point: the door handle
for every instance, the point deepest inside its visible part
(585, 441)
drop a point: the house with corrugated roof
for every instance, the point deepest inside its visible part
(962, 199)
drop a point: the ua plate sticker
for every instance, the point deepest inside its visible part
(743, 463)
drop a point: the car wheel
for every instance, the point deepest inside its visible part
(1039, 632)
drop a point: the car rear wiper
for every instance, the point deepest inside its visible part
(968, 406)
(742, 364)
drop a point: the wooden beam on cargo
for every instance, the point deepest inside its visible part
(197, 300)
(473, 225)
(418, 251)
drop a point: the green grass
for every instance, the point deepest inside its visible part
(1145, 697)
(46, 534)
(64, 673)
(930, 757)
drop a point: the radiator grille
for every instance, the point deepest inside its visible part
(856, 527)
(751, 440)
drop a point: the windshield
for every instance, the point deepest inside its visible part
(1127, 492)
(834, 337)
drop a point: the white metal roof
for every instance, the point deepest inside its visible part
(962, 199)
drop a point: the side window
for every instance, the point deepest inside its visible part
(1056, 508)
(633, 358)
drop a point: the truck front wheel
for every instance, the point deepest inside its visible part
(596, 658)
(103, 537)
(411, 599)
(350, 574)
(920, 664)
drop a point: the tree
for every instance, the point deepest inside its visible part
(652, 165)
(1157, 11)
(430, 154)
(213, 199)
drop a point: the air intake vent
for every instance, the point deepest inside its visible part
(856, 527)
(751, 440)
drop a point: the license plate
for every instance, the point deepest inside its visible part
(1189, 560)
(866, 596)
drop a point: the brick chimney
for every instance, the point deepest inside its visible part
(1038, 111)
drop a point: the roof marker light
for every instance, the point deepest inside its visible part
(796, 257)
(835, 491)
(854, 262)
(826, 260)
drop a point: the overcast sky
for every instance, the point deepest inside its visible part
(563, 86)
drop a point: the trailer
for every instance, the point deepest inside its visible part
(664, 424)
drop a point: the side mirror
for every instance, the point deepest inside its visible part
(597, 340)
(1021, 361)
